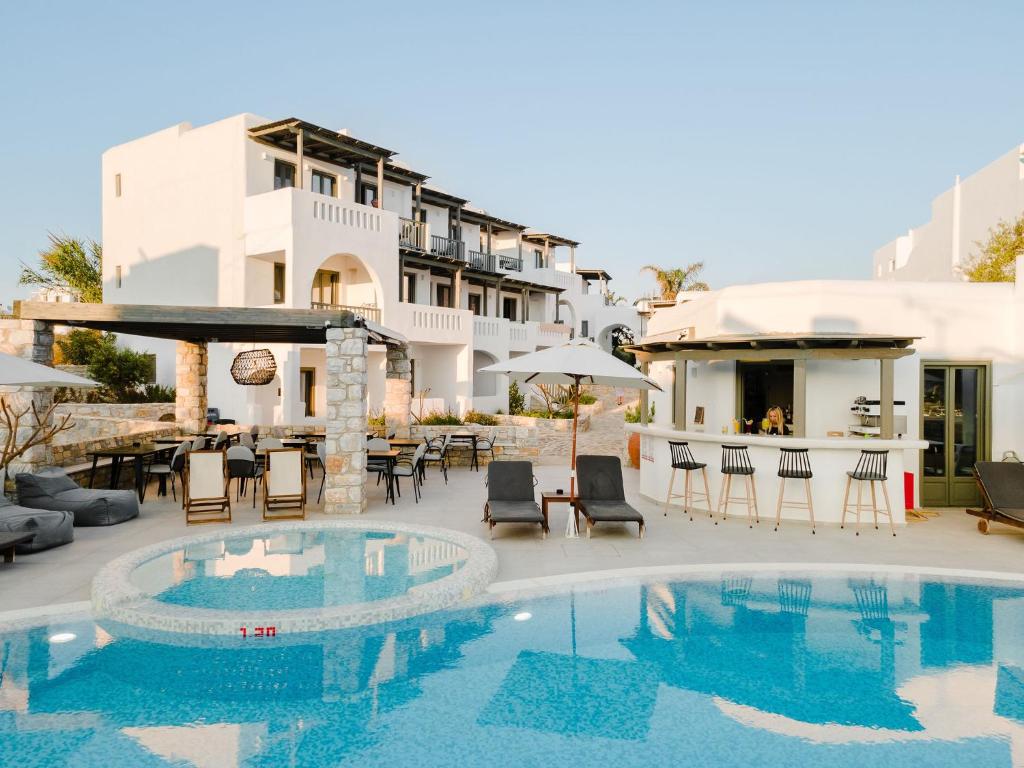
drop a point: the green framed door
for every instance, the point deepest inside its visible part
(954, 401)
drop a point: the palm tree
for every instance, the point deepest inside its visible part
(71, 265)
(672, 281)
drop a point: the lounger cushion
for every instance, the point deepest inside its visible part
(54, 490)
(611, 511)
(510, 481)
(51, 527)
(1004, 484)
(514, 512)
(600, 478)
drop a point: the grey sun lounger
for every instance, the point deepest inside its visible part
(510, 496)
(51, 488)
(1002, 492)
(601, 497)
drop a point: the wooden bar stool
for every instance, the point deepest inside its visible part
(871, 468)
(683, 459)
(794, 464)
(736, 461)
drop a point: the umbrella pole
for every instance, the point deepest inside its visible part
(572, 470)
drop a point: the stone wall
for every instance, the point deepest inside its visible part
(90, 433)
(190, 383)
(28, 339)
(344, 486)
(140, 411)
(547, 426)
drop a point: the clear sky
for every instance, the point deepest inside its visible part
(772, 140)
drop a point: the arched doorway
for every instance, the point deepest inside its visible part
(344, 281)
(484, 384)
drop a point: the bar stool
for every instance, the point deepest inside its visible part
(736, 461)
(794, 464)
(871, 469)
(683, 459)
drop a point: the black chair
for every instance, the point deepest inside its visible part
(794, 464)
(736, 461)
(510, 496)
(176, 466)
(242, 465)
(409, 467)
(871, 468)
(1002, 492)
(437, 453)
(683, 459)
(602, 497)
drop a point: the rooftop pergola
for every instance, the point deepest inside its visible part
(547, 240)
(681, 346)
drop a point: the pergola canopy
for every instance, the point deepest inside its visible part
(209, 324)
(773, 346)
(539, 238)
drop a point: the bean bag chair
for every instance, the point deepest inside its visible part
(53, 489)
(51, 527)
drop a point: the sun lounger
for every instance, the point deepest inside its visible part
(206, 488)
(510, 496)
(284, 485)
(52, 489)
(45, 528)
(1002, 491)
(600, 495)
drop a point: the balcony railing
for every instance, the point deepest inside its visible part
(483, 261)
(411, 234)
(370, 313)
(511, 263)
(445, 246)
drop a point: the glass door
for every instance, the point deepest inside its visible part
(953, 423)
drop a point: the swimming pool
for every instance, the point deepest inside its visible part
(728, 669)
(292, 577)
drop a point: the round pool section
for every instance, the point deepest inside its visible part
(292, 577)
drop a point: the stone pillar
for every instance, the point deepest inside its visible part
(31, 340)
(190, 381)
(398, 390)
(345, 486)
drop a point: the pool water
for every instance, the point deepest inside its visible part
(297, 569)
(734, 670)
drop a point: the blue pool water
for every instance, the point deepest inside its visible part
(729, 671)
(297, 569)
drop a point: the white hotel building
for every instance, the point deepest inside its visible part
(248, 213)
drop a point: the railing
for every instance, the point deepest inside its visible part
(487, 327)
(511, 263)
(445, 246)
(411, 234)
(483, 261)
(369, 313)
(436, 318)
(554, 333)
(347, 214)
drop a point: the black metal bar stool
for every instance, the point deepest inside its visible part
(794, 464)
(683, 459)
(871, 468)
(736, 461)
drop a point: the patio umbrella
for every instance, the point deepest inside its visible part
(576, 362)
(18, 372)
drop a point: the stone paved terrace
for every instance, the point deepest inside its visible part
(64, 574)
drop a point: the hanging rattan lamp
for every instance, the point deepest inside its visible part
(254, 367)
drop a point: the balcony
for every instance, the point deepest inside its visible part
(369, 313)
(510, 263)
(447, 247)
(432, 325)
(411, 234)
(552, 334)
(481, 261)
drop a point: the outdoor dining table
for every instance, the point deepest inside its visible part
(389, 457)
(139, 454)
(468, 439)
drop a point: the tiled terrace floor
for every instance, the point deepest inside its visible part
(64, 574)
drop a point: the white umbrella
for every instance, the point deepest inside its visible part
(576, 362)
(18, 372)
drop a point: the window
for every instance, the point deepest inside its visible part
(117, 276)
(325, 287)
(508, 308)
(369, 195)
(324, 183)
(584, 328)
(284, 174)
(475, 303)
(410, 287)
(279, 283)
(761, 386)
(444, 295)
(117, 185)
(307, 385)
(538, 258)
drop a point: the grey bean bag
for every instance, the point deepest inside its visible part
(53, 489)
(51, 528)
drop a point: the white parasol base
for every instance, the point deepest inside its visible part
(571, 531)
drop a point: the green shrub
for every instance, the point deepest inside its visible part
(633, 414)
(545, 415)
(516, 399)
(484, 419)
(587, 399)
(441, 419)
(376, 419)
(157, 393)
